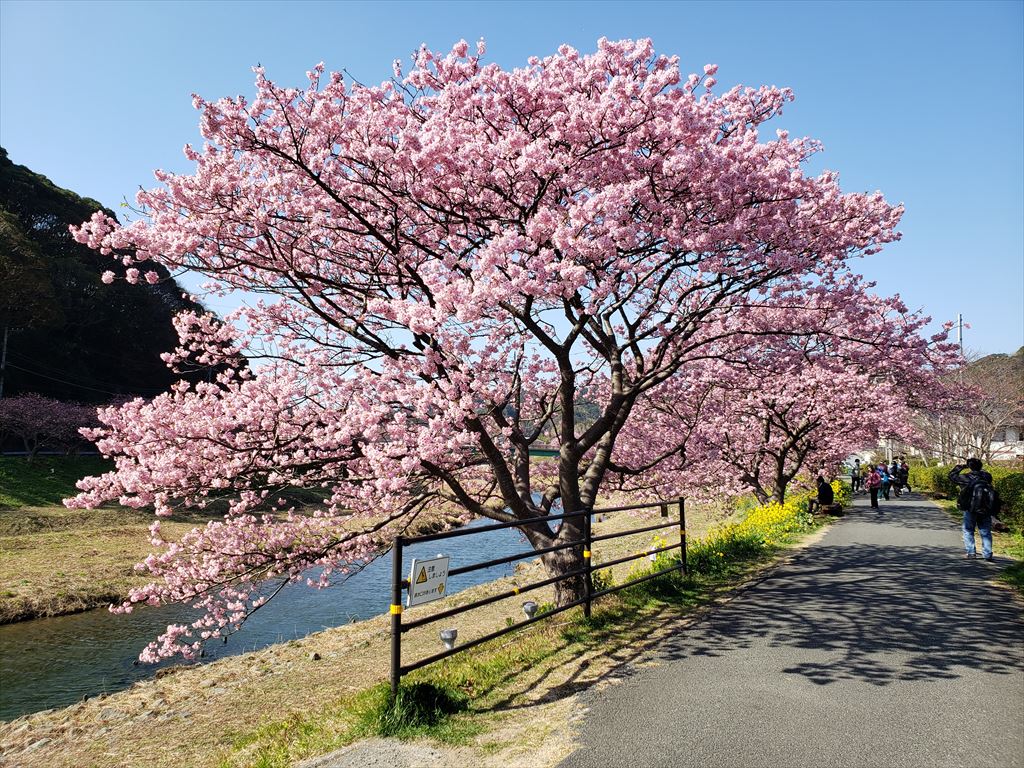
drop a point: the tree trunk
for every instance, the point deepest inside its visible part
(566, 561)
(561, 561)
(760, 495)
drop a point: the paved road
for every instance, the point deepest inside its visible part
(880, 645)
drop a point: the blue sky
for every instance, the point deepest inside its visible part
(924, 101)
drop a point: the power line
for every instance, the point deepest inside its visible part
(49, 370)
(72, 383)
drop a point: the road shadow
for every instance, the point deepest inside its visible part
(880, 613)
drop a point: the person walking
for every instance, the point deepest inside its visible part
(894, 477)
(886, 480)
(874, 482)
(856, 475)
(893, 471)
(979, 501)
(905, 475)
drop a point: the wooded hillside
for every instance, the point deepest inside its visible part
(70, 336)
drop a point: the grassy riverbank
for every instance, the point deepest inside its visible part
(55, 560)
(301, 699)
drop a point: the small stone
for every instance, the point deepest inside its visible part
(314, 656)
(37, 744)
(207, 684)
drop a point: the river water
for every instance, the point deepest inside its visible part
(54, 662)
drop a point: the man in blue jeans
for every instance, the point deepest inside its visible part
(975, 486)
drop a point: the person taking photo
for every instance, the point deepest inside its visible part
(979, 501)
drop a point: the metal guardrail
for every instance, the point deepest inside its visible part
(399, 583)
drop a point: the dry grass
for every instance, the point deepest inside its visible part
(55, 560)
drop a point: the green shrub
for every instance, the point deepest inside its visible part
(1008, 482)
(934, 479)
(418, 708)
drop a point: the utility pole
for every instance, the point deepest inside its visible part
(3, 361)
(960, 332)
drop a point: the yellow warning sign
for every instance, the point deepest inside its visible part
(440, 588)
(422, 578)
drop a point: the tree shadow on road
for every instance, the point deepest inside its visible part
(880, 614)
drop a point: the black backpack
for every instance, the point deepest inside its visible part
(979, 498)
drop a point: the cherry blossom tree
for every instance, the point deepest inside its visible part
(801, 418)
(752, 420)
(449, 262)
(39, 422)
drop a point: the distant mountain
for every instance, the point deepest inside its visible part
(1002, 367)
(70, 336)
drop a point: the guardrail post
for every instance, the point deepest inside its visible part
(396, 615)
(588, 584)
(682, 532)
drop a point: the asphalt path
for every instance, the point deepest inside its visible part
(878, 645)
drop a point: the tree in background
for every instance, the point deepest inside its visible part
(991, 404)
(453, 261)
(38, 423)
(753, 421)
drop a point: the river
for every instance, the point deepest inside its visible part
(55, 662)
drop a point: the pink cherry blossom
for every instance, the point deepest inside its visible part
(451, 267)
(41, 422)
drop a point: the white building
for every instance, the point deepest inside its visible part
(1008, 443)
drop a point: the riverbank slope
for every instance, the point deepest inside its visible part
(54, 560)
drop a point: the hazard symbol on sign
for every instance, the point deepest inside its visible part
(427, 580)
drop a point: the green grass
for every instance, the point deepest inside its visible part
(55, 560)
(45, 481)
(421, 708)
(1014, 576)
